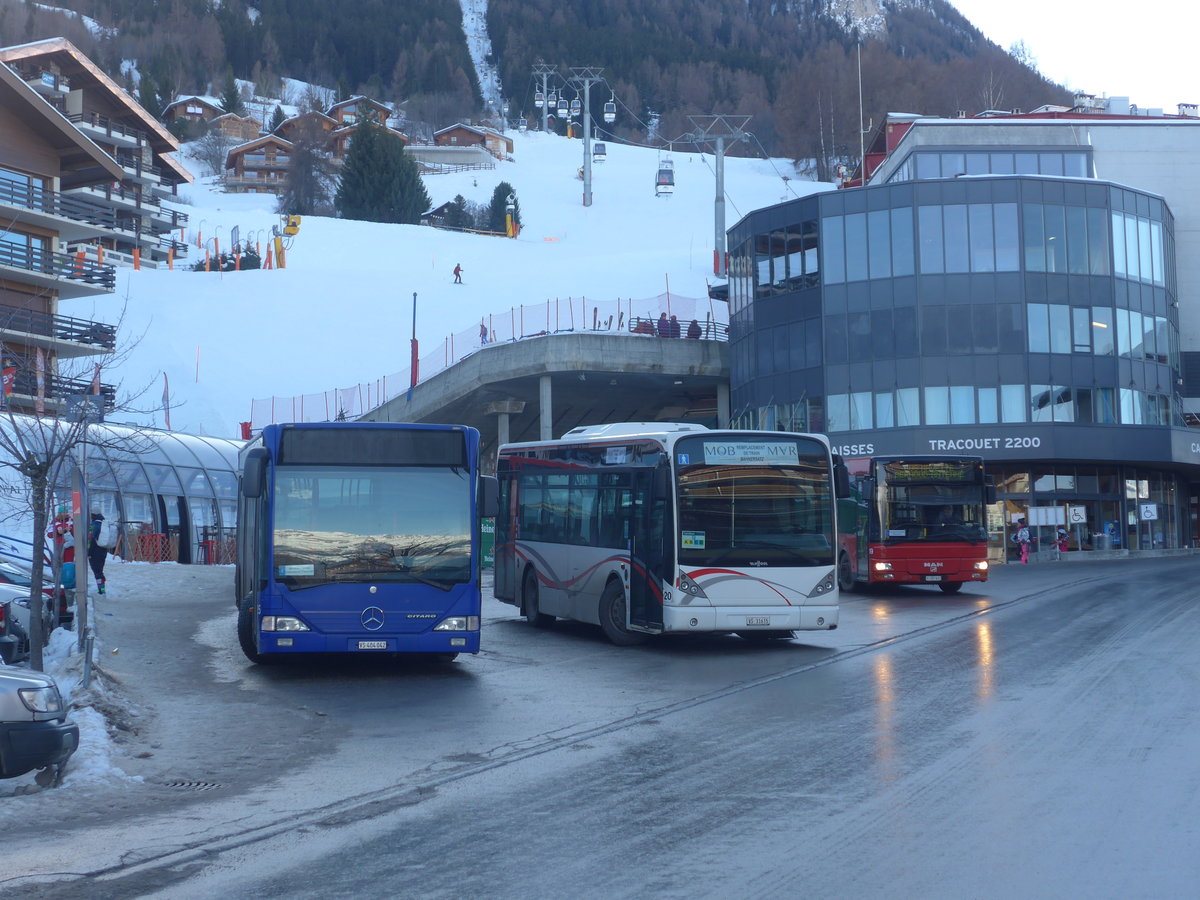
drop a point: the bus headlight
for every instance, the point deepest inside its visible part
(824, 587)
(458, 623)
(981, 566)
(690, 587)
(283, 623)
(883, 567)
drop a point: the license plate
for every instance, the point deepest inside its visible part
(372, 645)
(933, 577)
(758, 620)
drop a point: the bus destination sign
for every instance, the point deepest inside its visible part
(751, 453)
(929, 471)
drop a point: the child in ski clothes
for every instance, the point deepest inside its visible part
(1023, 540)
(61, 534)
(457, 273)
(97, 554)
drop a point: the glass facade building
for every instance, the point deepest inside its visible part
(996, 302)
(174, 496)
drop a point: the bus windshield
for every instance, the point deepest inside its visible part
(372, 524)
(932, 501)
(754, 502)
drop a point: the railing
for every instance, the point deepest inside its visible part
(44, 78)
(271, 184)
(576, 315)
(53, 203)
(56, 387)
(64, 328)
(108, 126)
(432, 168)
(60, 265)
(137, 166)
(121, 194)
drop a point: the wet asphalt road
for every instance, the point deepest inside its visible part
(1036, 736)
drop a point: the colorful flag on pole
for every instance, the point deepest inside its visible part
(166, 403)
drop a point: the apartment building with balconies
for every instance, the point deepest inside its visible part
(145, 228)
(45, 162)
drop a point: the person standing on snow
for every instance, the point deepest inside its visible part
(96, 553)
(457, 273)
(1022, 538)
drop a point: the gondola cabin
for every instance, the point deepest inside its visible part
(576, 108)
(610, 111)
(664, 181)
(539, 99)
(599, 153)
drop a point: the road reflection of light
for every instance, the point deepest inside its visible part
(983, 636)
(885, 709)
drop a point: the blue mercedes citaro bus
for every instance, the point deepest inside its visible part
(360, 537)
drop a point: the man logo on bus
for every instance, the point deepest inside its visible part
(372, 618)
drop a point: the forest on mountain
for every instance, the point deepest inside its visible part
(791, 65)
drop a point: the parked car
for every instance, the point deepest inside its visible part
(18, 608)
(34, 730)
(18, 574)
(14, 641)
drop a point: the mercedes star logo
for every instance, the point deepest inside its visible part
(372, 618)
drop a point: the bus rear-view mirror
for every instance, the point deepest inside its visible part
(254, 473)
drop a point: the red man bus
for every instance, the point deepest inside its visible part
(914, 520)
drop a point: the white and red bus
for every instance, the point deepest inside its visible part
(915, 520)
(649, 528)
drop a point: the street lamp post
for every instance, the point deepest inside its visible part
(415, 362)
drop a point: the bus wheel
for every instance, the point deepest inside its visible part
(612, 617)
(245, 629)
(951, 587)
(845, 574)
(529, 602)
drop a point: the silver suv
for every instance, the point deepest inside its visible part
(34, 731)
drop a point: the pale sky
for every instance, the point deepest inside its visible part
(1146, 51)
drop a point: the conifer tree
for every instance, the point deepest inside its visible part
(379, 182)
(231, 97)
(277, 119)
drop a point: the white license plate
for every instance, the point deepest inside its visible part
(758, 620)
(372, 645)
(933, 577)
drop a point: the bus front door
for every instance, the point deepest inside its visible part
(645, 612)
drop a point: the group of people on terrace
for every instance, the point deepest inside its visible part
(667, 327)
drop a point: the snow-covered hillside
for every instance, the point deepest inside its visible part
(341, 313)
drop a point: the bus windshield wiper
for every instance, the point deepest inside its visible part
(356, 574)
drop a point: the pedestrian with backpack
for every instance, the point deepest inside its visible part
(97, 551)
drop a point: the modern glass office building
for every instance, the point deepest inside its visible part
(988, 300)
